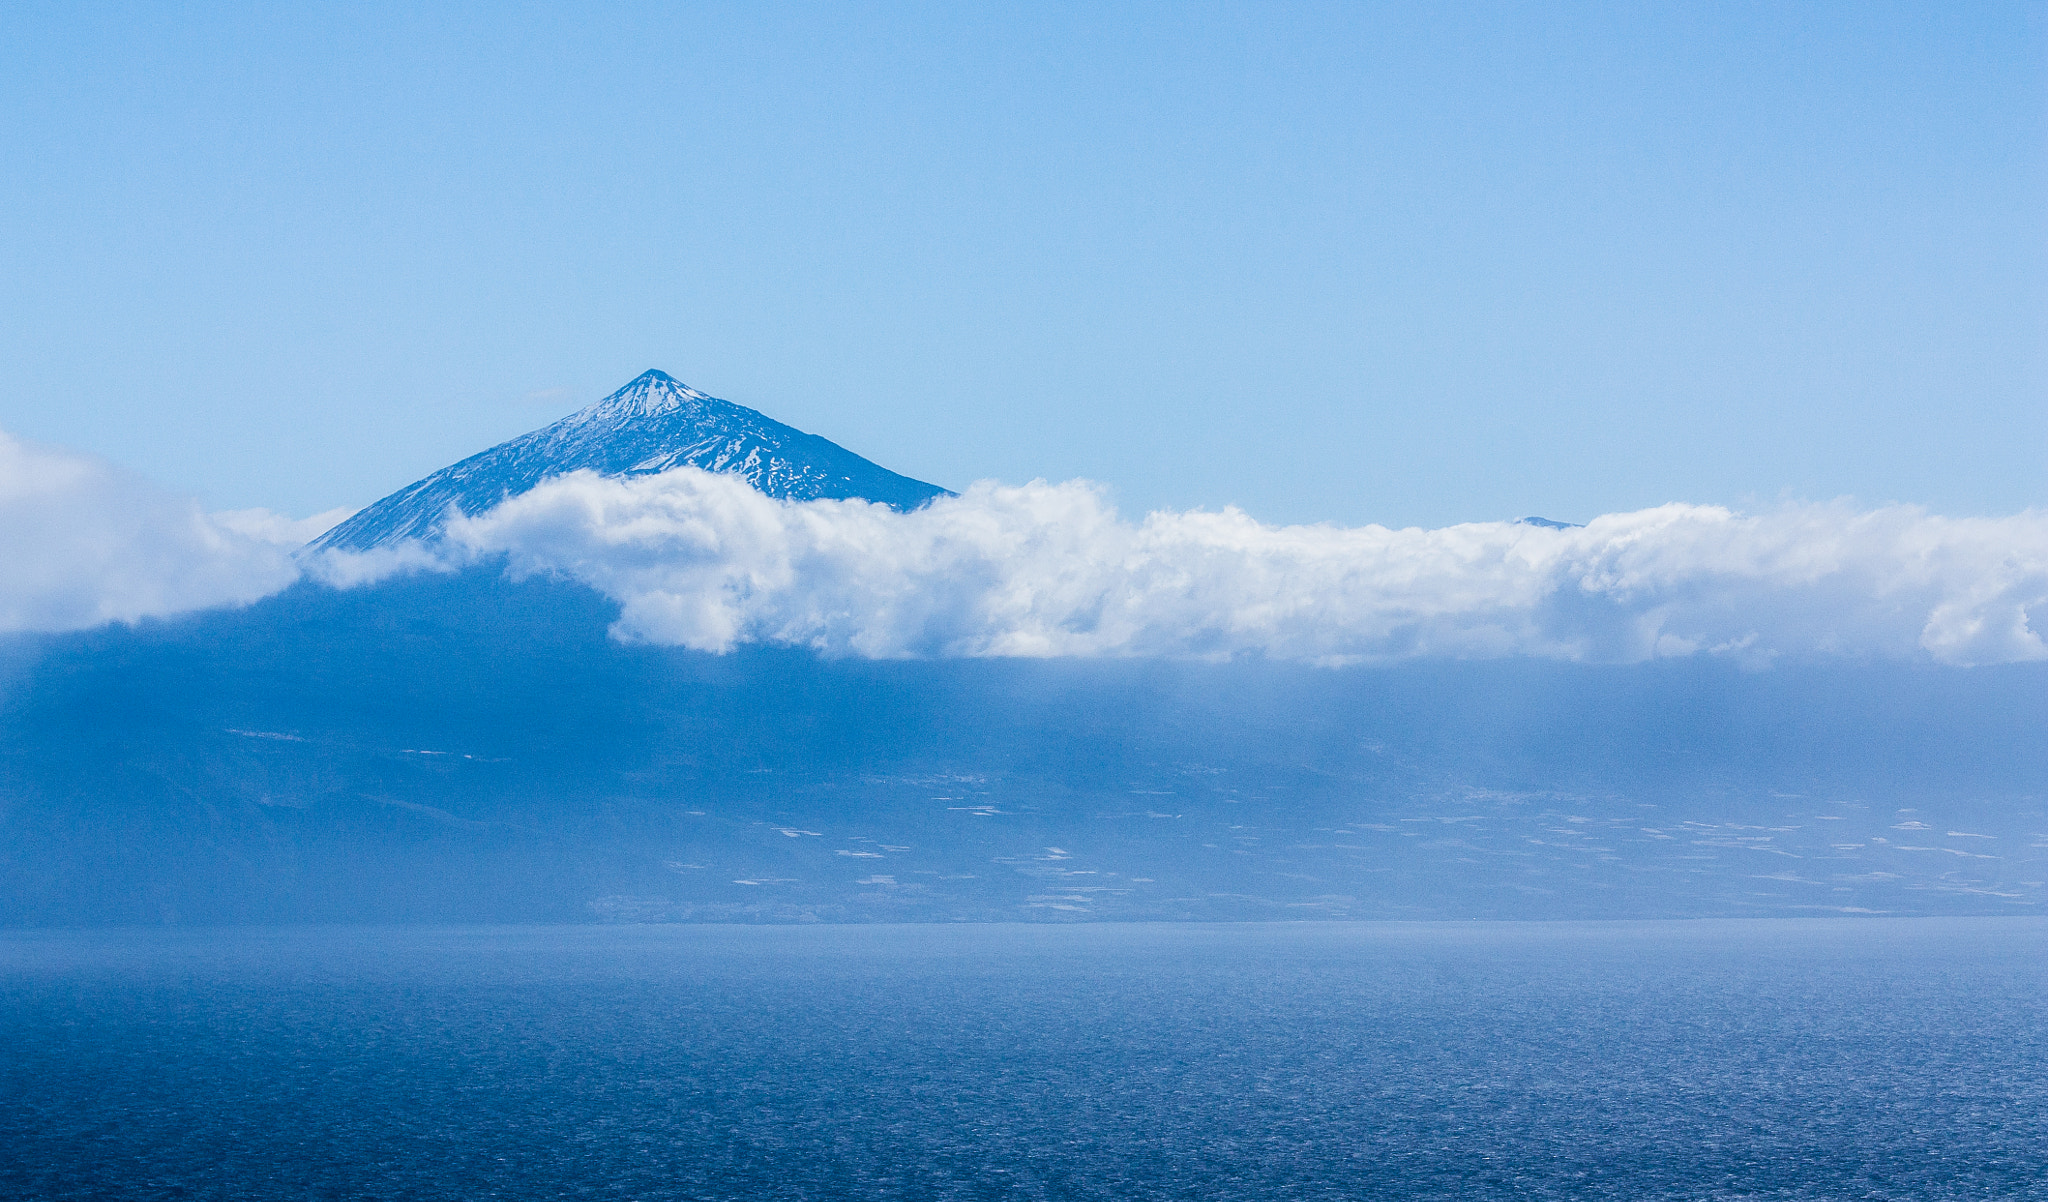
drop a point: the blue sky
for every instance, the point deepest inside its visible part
(1346, 263)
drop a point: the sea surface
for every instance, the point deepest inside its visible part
(1862, 1058)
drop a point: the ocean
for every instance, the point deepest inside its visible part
(1865, 1058)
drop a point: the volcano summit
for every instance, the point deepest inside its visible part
(651, 425)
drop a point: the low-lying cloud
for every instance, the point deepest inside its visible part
(83, 543)
(705, 561)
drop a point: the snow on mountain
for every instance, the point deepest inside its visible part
(651, 425)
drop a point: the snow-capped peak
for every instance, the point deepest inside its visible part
(653, 424)
(649, 394)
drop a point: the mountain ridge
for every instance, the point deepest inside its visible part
(652, 424)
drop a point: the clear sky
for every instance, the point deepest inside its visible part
(1405, 264)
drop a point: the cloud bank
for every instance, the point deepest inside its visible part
(83, 543)
(704, 561)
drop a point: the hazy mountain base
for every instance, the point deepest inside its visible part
(468, 749)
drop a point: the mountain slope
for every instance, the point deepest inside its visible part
(466, 748)
(651, 425)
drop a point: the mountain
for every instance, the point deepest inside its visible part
(651, 425)
(469, 747)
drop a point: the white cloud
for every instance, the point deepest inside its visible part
(275, 528)
(704, 561)
(83, 543)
